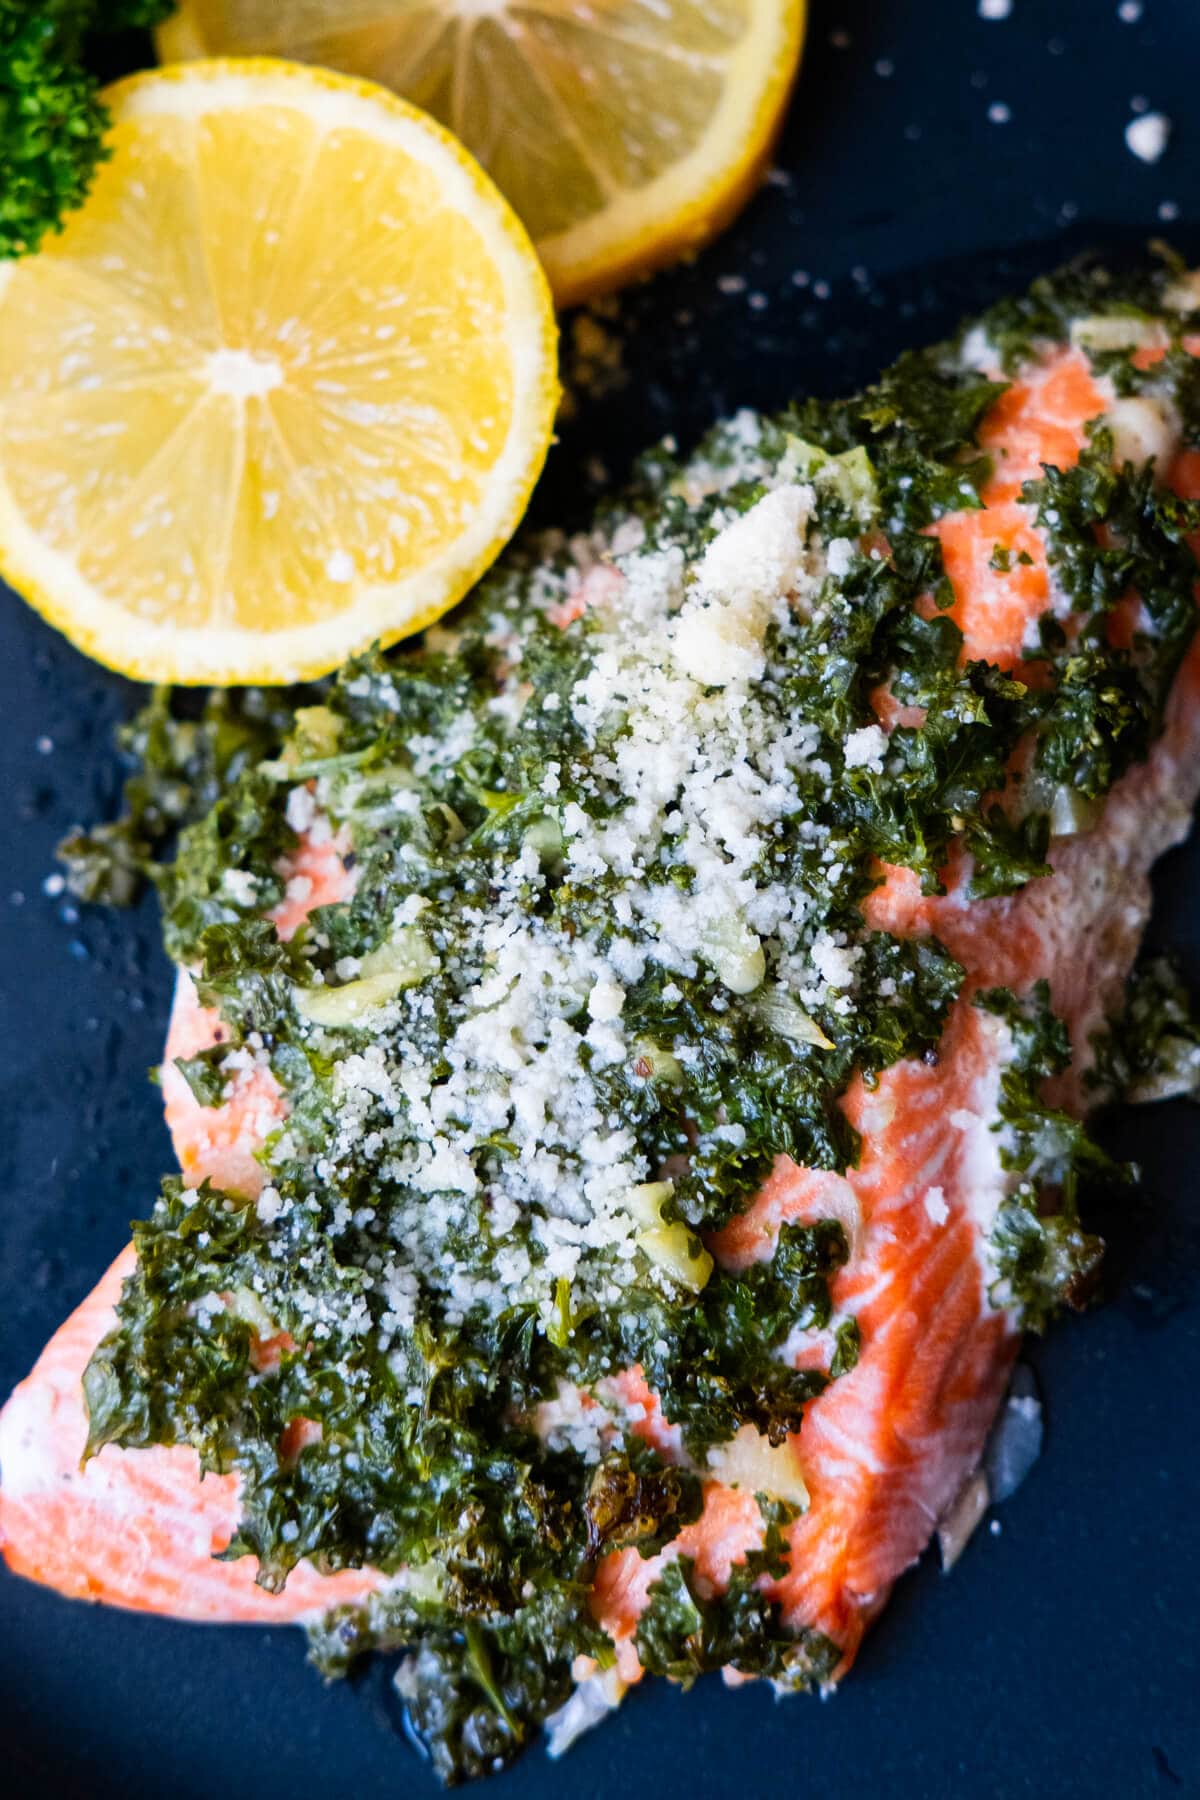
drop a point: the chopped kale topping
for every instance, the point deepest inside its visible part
(52, 120)
(204, 1076)
(1043, 1256)
(636, 1500)
(599, 960)
(180, 767)
(1150, 1050)
(685, 1632)
(1110, 535)
(1017, 325)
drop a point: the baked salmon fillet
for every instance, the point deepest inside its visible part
(628, 1054)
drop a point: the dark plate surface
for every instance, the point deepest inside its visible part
(1063, 1656)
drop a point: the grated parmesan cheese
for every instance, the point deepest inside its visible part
(488, 1108)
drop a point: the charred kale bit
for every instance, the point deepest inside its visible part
(391, 1347)
(634, 1499)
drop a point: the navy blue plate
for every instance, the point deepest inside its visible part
(1063, 1655)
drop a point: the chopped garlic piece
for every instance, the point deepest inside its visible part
(749, 1461)
(1119, 331)
(672, 1248)
(403, 961)
(1144, 429)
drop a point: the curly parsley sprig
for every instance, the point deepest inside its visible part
(52, 121)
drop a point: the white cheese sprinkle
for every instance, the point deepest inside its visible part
(694, 767)
(865, 748)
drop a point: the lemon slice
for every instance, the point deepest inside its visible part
(282, 386)
(625, 132)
